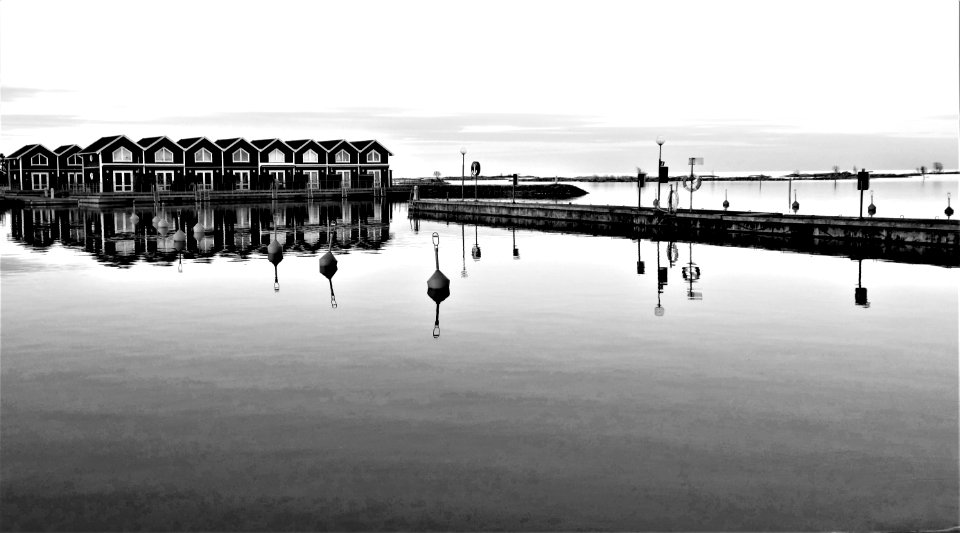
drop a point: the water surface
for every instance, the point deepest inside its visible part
(564, 390)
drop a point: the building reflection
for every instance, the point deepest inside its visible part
(238, 232)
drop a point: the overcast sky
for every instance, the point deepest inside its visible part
(544, 88)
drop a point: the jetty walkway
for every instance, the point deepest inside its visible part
(904, 240)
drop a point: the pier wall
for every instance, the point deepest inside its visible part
(903, 240)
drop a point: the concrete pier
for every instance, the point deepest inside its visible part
(896, 239)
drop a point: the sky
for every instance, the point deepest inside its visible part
(530, 87)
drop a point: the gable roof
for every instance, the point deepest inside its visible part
(227, 143)
(298, 144)
(62, 149)
(261, 144)
(146, 142)
(190, 141)
(363, 145)
(102, 143)
(22, 151)
(330, 145)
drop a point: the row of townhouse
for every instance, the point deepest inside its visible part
(119, 164)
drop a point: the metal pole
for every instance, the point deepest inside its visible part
(861, 203)
(463, 159)
(475, 177)
(659, 164)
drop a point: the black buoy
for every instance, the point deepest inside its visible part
(328, 267)
(871, 209)
(796, 204)
(726, 203)
(438, 285)
(949, 210)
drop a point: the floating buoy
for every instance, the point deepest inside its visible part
(871, 209)
(949, 210)
(198, 228)
(438, 285)
(726, 204)
(796, 204)
(163, 227)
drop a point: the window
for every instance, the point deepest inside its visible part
(313, 179)
(343, 157)
(276, 156)
(38, 159)
(373, 157)
(164, 180)
(310, 157)
(123, 181)
(203, 156)
(40, 180)
(163, 156)
(205, 183)
(74, 160)
(241, 156)
(75, 181)
(122, 155)
(243, 179)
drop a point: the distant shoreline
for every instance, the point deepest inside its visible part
(821, 176)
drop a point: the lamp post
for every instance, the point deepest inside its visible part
(463, 166)
(660, 141)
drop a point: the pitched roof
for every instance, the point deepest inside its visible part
(23, 150)
(189, 141)
(263, 143)
(298, 144)
(225, 143)
(330, 145)
(60, 150)
(101, 143)
(363, 145)
(147, 141)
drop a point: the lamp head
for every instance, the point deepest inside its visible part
(463, 150)
(661, 140)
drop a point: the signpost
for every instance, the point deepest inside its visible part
(475, 170)
(863, 183)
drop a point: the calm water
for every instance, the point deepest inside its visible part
(184, 392)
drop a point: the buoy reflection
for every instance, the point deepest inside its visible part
(438, 285)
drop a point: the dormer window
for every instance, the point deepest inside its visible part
(310, 157)
(163, 155)
(343, 156)
(373, 157)
(122, 155)
(241, 156)
(276, 156)
(74, 160)
(38, 159)
(203, 156)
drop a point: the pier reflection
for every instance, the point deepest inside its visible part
(238, 232)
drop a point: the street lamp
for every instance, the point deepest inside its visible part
(463, 163)
(660, 141)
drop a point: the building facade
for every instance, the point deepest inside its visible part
(117, 164)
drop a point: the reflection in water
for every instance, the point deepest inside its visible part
(860, 293)
(463, 250)
(475, 251)
(661, 283)
(516, 251)
(949, 210)
(691, 273)
(114, 238)
(641, 267)
(275, 251)
(438, 285)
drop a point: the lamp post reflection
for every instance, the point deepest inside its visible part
(438, 285)
(661, 283)
(463, 250)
